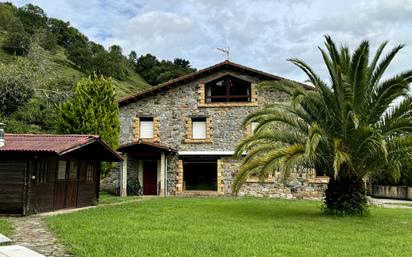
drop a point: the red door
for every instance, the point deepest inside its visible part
(150, 178)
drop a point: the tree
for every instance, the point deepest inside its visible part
(93, 110)
(66, 35)
(17, 41)
(156, 72)
(350, 128)
(7, 15)
(15, 88)
(32, 17)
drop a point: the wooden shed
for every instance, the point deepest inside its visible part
(40, 173)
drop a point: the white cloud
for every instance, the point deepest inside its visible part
(261, 34)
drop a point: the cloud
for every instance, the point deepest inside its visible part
(260, 34)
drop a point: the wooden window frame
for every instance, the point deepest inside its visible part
(92, 175)
(58, 169)
(71, 162)
(41, 168)
(228, 95)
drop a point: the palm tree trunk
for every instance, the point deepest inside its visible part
(346, 196)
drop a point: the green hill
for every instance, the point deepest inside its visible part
(64, 68)
(42, 58)
(67, 69)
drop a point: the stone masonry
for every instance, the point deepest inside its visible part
(176, 105)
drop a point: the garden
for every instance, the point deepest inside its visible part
(231, 227)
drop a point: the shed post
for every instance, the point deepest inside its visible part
(123, 176)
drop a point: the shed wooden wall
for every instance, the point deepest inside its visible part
(12, 184)
(20, 194)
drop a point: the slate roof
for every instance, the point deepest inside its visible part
(226, 65)
(58, 144)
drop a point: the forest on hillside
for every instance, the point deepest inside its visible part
(42, 58)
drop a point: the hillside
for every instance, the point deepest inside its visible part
(64, 68)
(43, 58)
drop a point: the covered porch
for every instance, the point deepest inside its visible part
(144, 169)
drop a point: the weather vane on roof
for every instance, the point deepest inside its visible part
(225, 51)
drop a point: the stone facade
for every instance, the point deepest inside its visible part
(299, 185)
(174, 108)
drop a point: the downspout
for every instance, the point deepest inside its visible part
(165, 175)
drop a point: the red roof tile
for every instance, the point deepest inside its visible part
(45, 143)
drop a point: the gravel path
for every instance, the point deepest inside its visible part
(390, 203)
(32, 233)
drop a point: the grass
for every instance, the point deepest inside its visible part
(5, 227)
(106, 198)
(231, 227)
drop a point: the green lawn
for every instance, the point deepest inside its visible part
(5, 227)
(106, 198)
(231, 227)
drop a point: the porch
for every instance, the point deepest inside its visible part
(144, 169)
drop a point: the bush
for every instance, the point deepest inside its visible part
(345, 196)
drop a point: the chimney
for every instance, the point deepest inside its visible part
(2, 141)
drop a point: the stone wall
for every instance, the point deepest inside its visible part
(395, 192)
(299, 185)
(172, 163)
(174, 106)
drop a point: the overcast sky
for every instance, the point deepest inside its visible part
(260, 34)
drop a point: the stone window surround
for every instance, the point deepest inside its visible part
(189, 127)
(136, 129)
(202, 94)
(179, 177)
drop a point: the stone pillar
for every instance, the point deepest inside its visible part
(162, 174)
(179, 177)
(219, 176)
(123, 177)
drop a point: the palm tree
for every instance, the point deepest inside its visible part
(357, 124)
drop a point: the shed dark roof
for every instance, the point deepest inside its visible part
(226, 65)
(58, 144)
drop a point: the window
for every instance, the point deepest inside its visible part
(199, 128)
(41, 167)
(90, 172)
(228, 89)
(73, 169)
(146, 127)
(61, 171)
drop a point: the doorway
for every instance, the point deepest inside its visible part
(67, 183)
(150, 178)
(200, 175)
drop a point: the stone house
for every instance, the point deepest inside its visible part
(178, 138)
